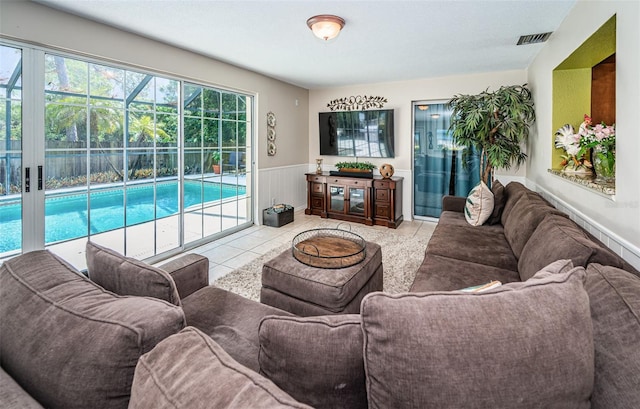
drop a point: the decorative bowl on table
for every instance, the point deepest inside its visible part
(328, 248)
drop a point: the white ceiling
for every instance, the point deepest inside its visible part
(382, 41)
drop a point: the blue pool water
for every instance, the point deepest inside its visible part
(66, 216)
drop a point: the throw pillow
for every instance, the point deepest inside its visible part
(615, 313)
(479, 205)
(317, 360)
(190, 370)
(499, 199)
(127, 276)
(520, 345)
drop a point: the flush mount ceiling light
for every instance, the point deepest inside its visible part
(325, 26)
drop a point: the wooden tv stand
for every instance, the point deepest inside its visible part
(360, 200)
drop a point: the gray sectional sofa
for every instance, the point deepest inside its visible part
(563, 331)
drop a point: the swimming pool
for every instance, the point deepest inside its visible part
(66, 216)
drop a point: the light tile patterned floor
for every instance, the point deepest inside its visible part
(238, 249)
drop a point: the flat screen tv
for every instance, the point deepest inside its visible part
(366, 134)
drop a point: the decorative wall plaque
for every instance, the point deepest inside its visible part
(271, 134)
(357, 102)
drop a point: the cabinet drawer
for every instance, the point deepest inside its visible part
(317, 202)
(381, 184)
(382, 195)
(343, 181)
(382, 211)
(317, 187)
(312, 178)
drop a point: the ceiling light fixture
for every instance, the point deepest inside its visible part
(325, 26)
(423, 107)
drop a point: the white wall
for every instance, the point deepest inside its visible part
(399, 96)
(616, 220)
(43, 26)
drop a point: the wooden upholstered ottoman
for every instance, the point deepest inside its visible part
(304, 290)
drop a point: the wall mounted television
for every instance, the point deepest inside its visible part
(366, 134)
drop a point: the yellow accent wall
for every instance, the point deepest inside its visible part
(572, 82)
(571, 100)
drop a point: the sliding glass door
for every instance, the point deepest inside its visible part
(120, 157)
(10, 150)
(111, 158)
(217, 126)
(440, 166)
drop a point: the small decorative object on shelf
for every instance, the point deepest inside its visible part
(386, 170)
(277, 215)
(319, 166)
(567, 139)
(599, 140)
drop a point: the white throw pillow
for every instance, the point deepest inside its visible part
(479, 205)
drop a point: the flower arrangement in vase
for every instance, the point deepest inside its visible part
(600, 140)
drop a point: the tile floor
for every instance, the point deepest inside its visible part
(238, 249)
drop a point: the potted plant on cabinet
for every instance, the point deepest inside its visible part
(355, 166)
(495, 123)
(215, 157)
(359, 169)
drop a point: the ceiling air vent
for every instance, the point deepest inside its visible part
(533, 38)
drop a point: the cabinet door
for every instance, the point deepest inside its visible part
(336, 198)
(357, 202)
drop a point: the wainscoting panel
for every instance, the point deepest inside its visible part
(619, 245)
(285, 184)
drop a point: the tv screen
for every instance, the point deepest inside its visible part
(367, 134)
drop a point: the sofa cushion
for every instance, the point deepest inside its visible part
(559, 237)
(482, 245)
(317, 360)
(615, 313)
(479, 205)
(189, 370)
(525, 216)
(513, 191)
(127, 276)
(68, 342)
(499, 199)
(449, 218)
(438, 273)
(519, 345)
(230, 320)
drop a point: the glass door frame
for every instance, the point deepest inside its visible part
(414, 105)
(33, 149)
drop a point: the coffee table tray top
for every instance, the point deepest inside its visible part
(328, 248)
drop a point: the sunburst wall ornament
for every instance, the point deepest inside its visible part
(356, 103)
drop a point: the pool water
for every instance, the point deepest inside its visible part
(66, 217)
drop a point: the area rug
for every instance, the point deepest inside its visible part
(402, 252)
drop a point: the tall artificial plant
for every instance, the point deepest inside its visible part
(496, 124)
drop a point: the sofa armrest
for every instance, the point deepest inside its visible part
(13, 396)
(453, 203)
(190, 273)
